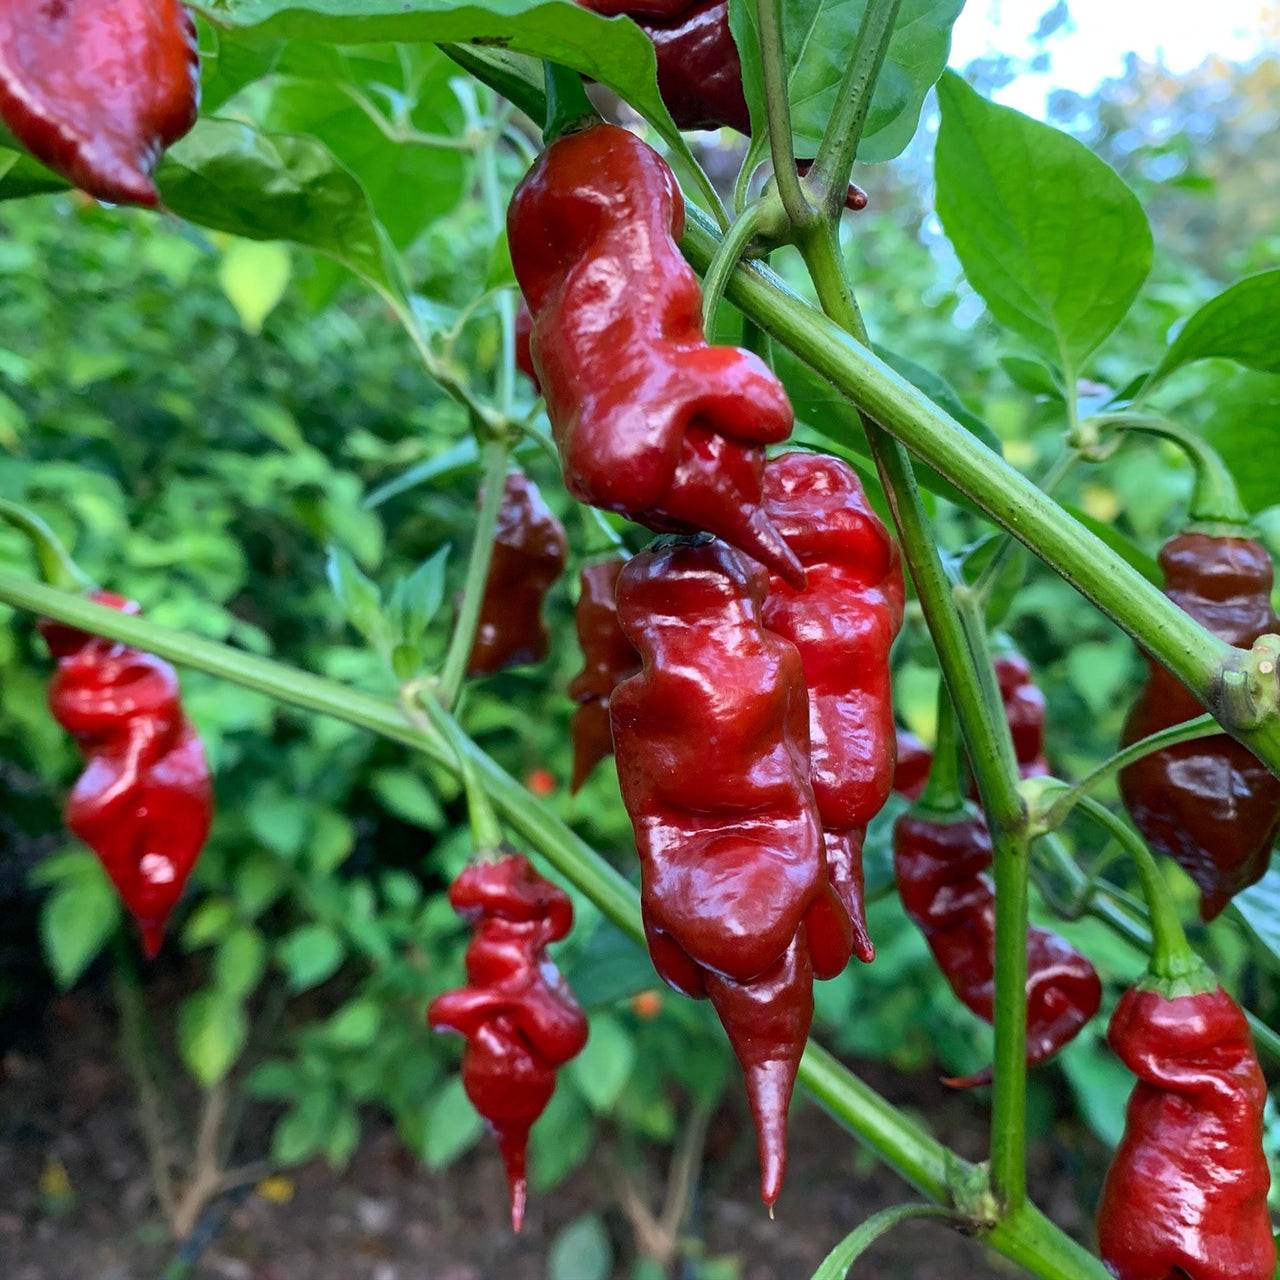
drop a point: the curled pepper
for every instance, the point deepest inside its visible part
(843, 624)
(651, 422)
(712, 741)
(941, 863)
(1210, 804)
(608, 659)
(519, 1016)
(144, 802)
(529, 554)
(97, 89)
(1186, 1195)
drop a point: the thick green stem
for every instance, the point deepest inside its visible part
(56, 565)
(773, 60)
(986, 735)
(829, 177)
(1196, 658)
(464, 633)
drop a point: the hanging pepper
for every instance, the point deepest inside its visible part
(608, 660)
(712, 740)
(529, 554)
(524, 357)
(651, 421)
(1210, 804)
(144, 802)
(941, 862)
(843, 624)
(911, 771)
(97, 89)
(1186, 1195)
(519, 1016)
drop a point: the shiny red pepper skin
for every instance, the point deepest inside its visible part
(608, 659)
(144, 802)
(529, 555)
(524, 356)
(911, 771)
(1211, 804)
(843, 624)
(651, 422)
(1186, 1196)
(941, 868)
(518, 1014)
(97, 89)
(712, 742)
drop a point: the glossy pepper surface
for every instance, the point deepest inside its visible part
(524, 357)
(529, 554)
(843, 625)
(651, 422)
(941, 869)
(144, 802)
(712, 741)
(519, 1016)
(97, 89)
(608, 660)
(1186, 1196)
(1211, 804)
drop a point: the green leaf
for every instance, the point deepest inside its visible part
(355, 1025)
(581, 1251)
(1048, 234)
(1121, 545)
(210, 922)
(835, 1266)
(212, 1030)
(310, 955)
(226, 66)
(561, 1140)
(273, 1080)
(238, 965)
(76, 921)
(304, 1130)
(1241, 324)
(818, 35)
(416, 600)
(359, 597)
(611, 967)
(457, 459)
(279, 820)
(602, 1069)
(343, 1138)
(254, 275)
(1100, 671)
(330, 841)
(1259, 908)
(259, 881)
(1243, 426)
(453, 1126)
(404, 794)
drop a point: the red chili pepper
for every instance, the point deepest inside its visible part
(608, 660)
(529, 554)
(1211, 804)
(524, 356)
(144, 802)
(518, 1014)
(911, 771)
(651, 421)
(1186, 1195)
(712, 740)
(97, 89)
(941, 867)
(843, 624)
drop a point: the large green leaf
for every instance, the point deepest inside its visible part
(818, 35)
(1242, 323)
(1047, 233)
(1243, 426)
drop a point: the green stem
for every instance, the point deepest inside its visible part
(486, 830)
(568, 107)
(1201, 727)
(943, 792)
(777, 100)
(1163, 630)
(56, 565)
(835, 1266)
(986, 735)
(1215, 499)
(464, 633)
(732, 247)
(1171, 955)
(829, 177)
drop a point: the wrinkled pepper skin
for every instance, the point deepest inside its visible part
(529, 554)
(1211, 805)
(608, 660)
(144, 802)
(97, 89)
(651, 422)
(941, 869)
(1186, 1196)
(518, 1015)
(843, 624)
(712, 742)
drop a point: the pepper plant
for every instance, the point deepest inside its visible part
(299, 100)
